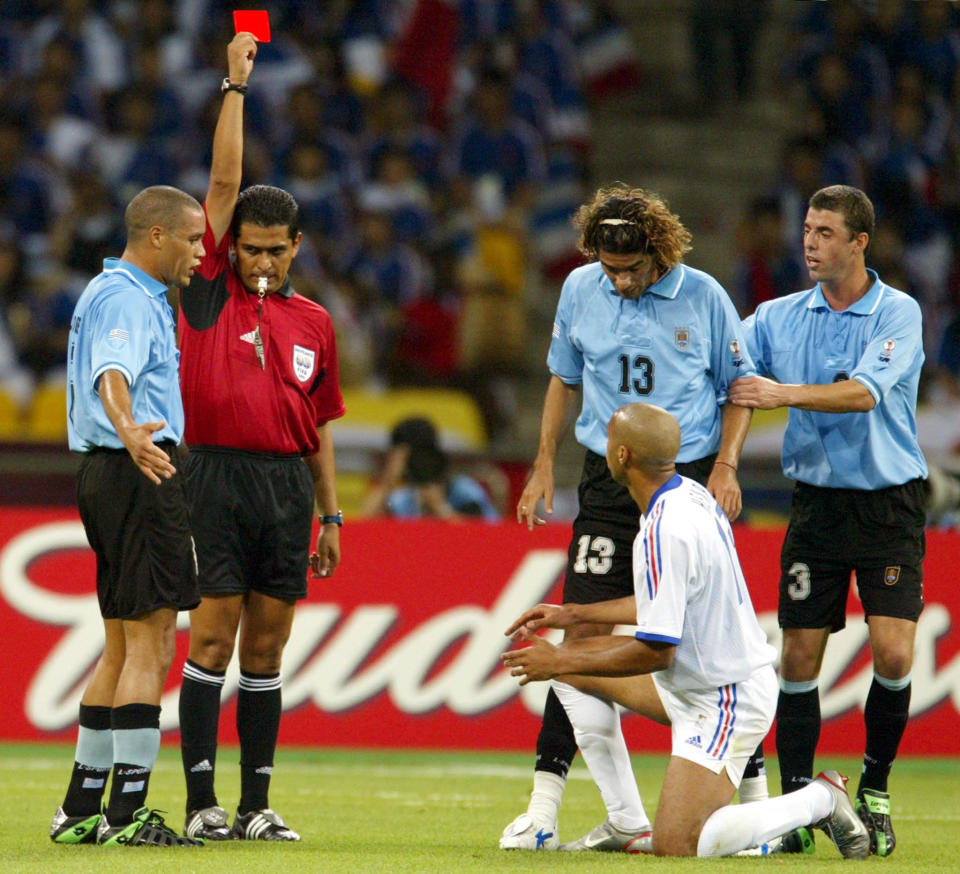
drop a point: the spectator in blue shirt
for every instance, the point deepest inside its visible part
(415, 481)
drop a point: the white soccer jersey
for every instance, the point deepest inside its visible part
(691, 592)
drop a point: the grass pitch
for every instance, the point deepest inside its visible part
(406, 812)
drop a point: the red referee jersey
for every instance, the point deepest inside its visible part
(228, 398)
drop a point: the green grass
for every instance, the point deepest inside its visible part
(403, 812)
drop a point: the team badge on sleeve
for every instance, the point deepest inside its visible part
(887, 350)
(681, 337)
(735, 352)
(304, 362)
(891, 575)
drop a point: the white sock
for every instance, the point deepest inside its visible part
(738, 826)
(546, 796)
(596, 726)
(753, 789)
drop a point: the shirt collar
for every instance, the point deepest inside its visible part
(153, 287)
(863, 307)
(667, 286)
(671, 483)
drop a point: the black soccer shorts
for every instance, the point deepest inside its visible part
(252, 516)
(600, 555)
(140, 533)
(879, 535)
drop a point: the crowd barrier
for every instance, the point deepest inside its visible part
(400, 647)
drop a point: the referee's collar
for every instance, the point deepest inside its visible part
(671, 483)
(863, 307)
(153, 287)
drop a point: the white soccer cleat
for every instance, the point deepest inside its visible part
(608, 838)
(527, 833)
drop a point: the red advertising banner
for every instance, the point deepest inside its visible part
(400, 648)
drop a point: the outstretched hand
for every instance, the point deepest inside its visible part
(541, 616)
(152, 461)
(539, 661)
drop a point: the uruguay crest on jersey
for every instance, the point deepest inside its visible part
(304, 362)
(681, 337)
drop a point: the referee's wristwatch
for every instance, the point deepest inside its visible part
(336, 519)
(227, 85)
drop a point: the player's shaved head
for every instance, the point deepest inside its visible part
(650, 433)
(157, 206)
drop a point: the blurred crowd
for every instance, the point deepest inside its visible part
(436, 147)
(875, 91)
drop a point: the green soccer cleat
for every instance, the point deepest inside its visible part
(147, 830)
(800, 840)
(873, 807)
(74, 829)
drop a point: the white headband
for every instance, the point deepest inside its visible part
(615, 221)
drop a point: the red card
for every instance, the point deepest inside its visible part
(253, 21)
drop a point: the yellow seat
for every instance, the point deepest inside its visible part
(47, 419)
(371, 415)
(11, 424)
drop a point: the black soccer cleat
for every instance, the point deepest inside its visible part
(262, 825)
(147, 830)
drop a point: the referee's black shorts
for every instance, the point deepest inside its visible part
(140, 533)
(252, 517)
(600, 556)
(879, 535)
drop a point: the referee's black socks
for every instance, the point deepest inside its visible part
(258, 723)
(199, 720)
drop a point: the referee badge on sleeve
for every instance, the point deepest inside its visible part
(304, 362)
(891, 575)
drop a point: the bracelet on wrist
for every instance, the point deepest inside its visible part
(336, 519)
(732, 467)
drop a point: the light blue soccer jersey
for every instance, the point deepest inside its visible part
(122, 322)
(800, 339)
(679, 346)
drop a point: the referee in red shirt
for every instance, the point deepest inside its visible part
(259, 382)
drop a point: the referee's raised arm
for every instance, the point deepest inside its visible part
(226, 166)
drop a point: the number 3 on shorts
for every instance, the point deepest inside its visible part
(799, 589)
(601, 562)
